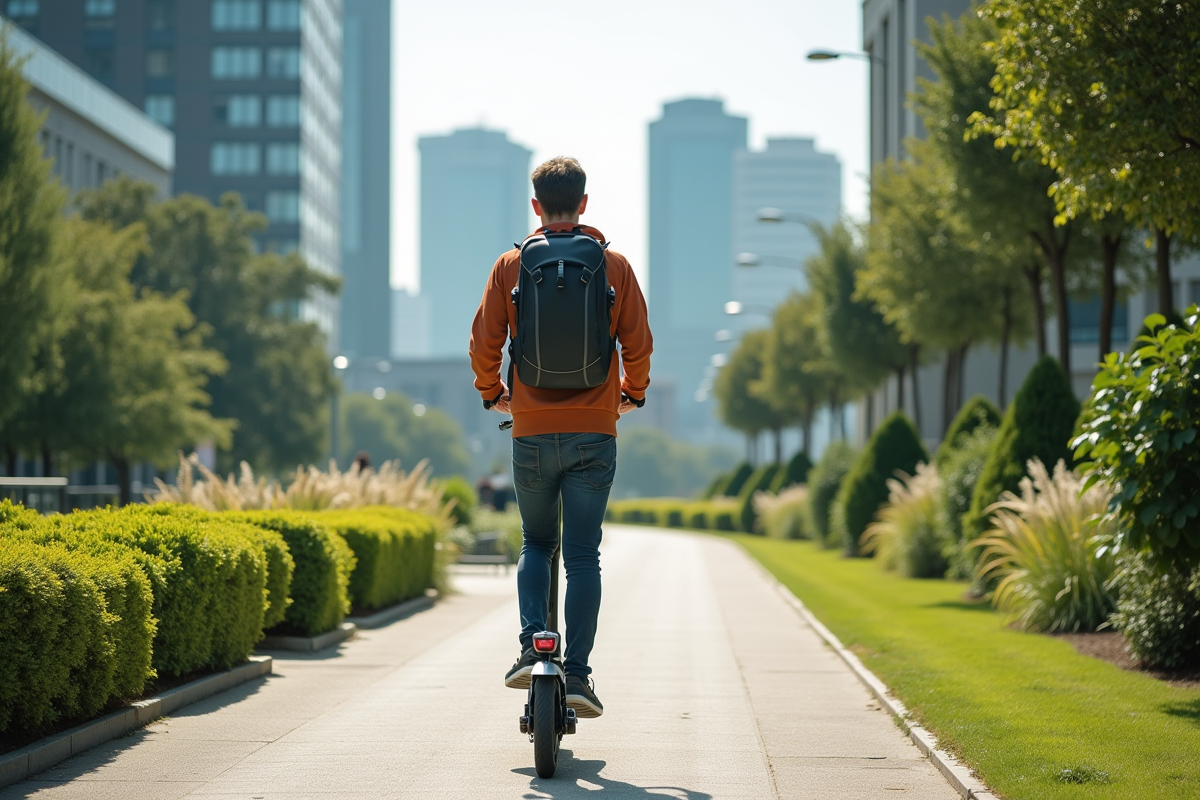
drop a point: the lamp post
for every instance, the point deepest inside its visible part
(340, 364)
(736, 308)
(754, 260)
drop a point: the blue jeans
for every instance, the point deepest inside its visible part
(578, 468)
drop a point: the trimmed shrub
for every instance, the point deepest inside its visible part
(465, 499)
(795, 473)
(975, 413)
(698, 517)
(393, 550)
(1038, 424)
(959, 474)
(737, 479)
(823, 483)
(1159, 612)
(675, 517)
(321, 580)
(715, 486)
(894, 447)
(1051, 553)
(760, 481)
(723, 520)
(280, 565)
(904, 538)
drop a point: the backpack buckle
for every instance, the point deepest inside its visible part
(537, 275)
(562, 282)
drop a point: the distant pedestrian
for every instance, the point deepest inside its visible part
(362, 460)
(564, 301)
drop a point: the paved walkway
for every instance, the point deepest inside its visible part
(713, 688)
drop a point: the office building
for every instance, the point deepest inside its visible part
(90, 133)
(790, 174)
(692, 148)
(366, 178)
(410, 325)
(475, 194)
(252, 89)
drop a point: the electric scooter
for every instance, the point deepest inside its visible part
(547, 718)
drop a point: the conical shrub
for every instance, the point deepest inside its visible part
(975, 412)
(1038, 424)
(737, 479)
(894, 447)
(795, 472)
(760, 481)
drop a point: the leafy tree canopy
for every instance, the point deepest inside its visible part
(741, 408)
(389, 429)
(652, 464)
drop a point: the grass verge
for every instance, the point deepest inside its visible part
(1034, 718)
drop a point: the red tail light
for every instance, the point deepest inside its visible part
(545, 644)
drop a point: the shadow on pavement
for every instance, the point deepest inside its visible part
(571, 771)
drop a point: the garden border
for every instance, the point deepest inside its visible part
(309, 644)
(395, 613)
(956, 773)
(45, 753)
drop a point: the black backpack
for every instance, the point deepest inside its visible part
(564, 312)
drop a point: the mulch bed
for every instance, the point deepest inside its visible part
(1110, 646)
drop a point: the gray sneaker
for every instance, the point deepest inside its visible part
(582, 697)
(520, 675)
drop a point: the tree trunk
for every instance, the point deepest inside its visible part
(1162, 272)
(1005, 334)
(869, 414)
(914, 361)
(124, 481)
(1058, 277)
(1033, 274)
(960, 377)
(10, 462)
(778, 434)
(1111, 246)
(47, 461)
(900, 388)
(806, 447)
(948, 381)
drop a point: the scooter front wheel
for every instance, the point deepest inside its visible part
(545, 711)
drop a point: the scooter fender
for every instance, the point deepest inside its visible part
(548, 668)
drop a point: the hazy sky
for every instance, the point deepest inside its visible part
(585, 78)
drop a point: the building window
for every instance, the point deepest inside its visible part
(283, 62)
(283, 158)
(236, 63)
(236, 15)
(160, 63)
(160, 15)
(98, 14)
(283, 111)
(98, 62)
(1194, 293)
(239, 110)
(235, 158)
(1085, 320)
(161, 108)
(283, 207)
(283, 15)
(21, 10)
(69, 165)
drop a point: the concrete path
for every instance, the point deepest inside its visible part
(713, 688)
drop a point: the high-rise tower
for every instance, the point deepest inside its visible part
(692, 149)
(474, 205)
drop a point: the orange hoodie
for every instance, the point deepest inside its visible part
(541, 411)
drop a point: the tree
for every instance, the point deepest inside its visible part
(1004, 192)
(862, 345)
(1104, 93)
(30, 213)
(795, 377)
(279, 382)
(932, 274)
(391, 429)
(741, 408)
(134, 367)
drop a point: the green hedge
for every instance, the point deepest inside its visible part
(894, 447)
(759, 481)
(323, 565)
(824, 481)
(394, 550)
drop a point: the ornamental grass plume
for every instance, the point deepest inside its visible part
(784, 515)
(311, 489)
(1050, 549)
(904, 536)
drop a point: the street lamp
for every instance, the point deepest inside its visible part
(779, 215)
(735, 308)
(752, 260)
(340, 364)
(833, 55)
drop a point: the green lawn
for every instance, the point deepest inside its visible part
(1017, 707)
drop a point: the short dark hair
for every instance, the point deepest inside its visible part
(559, 185)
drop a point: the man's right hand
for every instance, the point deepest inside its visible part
(503, 404)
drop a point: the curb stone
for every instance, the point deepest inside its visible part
(957, 774)
(44, 753)
(309, 644)
(394, 613)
